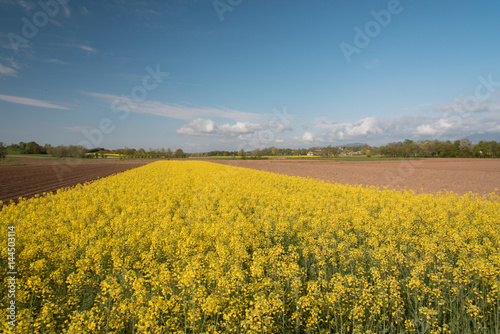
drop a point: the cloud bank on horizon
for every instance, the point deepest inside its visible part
(201, 77)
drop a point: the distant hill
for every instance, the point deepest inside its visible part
(477, 137)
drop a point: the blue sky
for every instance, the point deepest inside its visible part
(233, 74)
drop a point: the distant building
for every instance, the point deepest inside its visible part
(310, 153)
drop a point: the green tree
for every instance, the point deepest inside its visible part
(140, 153)
(2, 150)
(68, 152)
(466, 148)
(33, 148)
(22, 146)
(242, 154)
(179, 153)
(129, 152)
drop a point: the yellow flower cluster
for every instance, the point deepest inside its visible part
(197, 247)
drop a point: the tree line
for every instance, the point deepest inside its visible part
(445, 149)
(151, 153)
(428, 148)
(75, 151)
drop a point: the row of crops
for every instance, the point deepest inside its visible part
(198, 247)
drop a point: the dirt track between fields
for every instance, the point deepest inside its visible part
(461, 176)
(29, 179)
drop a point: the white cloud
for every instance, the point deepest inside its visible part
(445, 124)
(465, 105)
(360, 130)
(307, 136)
(176, 111)
(368, 125)
(462, 117)
(365, 126)
(495, 107)
(426, 129)
(10, 69)
(247, 135)
(259, 130)
(241, 128)
(5, 43)
(55, 61)
(379, 131)
(207, 127)
(198, 127)
(438, 127)
(66, 10)
(25, 4)
(31, 102)
(7, 71)
(87, 48)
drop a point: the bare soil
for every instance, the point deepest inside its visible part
(481, 176)
(27, 179)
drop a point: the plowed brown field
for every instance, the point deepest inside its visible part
(30, 179)
(461, 176)
(481, 176)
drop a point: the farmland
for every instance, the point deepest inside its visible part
(481, 176)
(190, 246)
(29, 177)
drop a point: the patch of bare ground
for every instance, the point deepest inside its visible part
(30, 179)
(481, 176)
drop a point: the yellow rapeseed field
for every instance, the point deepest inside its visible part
(198, 247)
